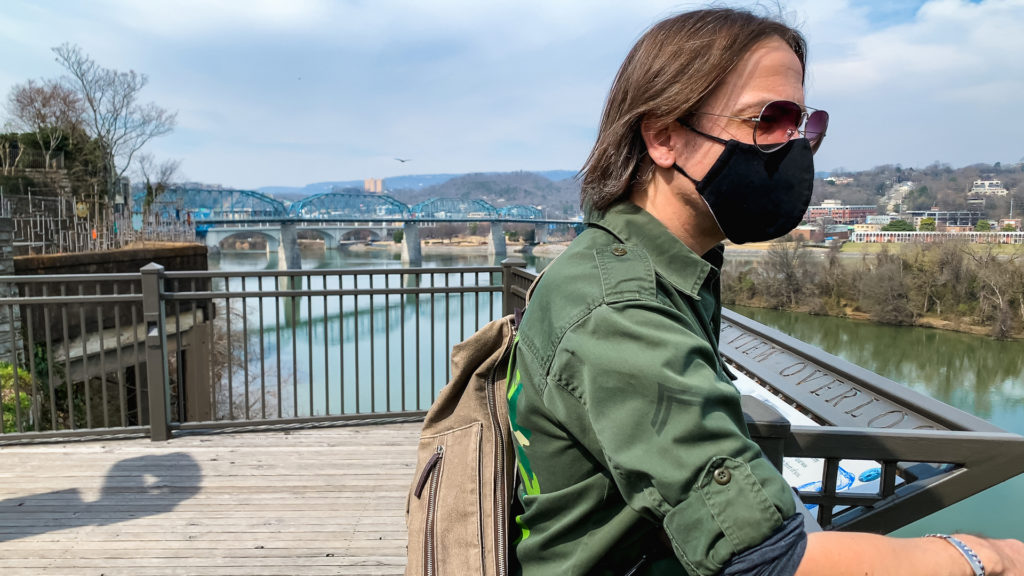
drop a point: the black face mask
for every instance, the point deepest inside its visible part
(757, 196)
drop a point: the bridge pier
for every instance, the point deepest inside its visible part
(496, 244)
(412, 251)
(290, 246)
(540, 233)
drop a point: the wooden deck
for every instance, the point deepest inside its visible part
(322, 501)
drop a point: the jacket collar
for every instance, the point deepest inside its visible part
(673, 260)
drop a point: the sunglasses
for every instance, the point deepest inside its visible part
(780, 121)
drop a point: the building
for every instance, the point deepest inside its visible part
(1015, 222)
(988, 188)
(838, 213)
(374, 185)
(944, 218)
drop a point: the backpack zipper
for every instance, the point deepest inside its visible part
(500, 520)
(432, 471)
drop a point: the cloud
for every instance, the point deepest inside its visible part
(939, 86)
(293, 92)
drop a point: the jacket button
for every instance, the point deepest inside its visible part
(619, 251)
(722, 476)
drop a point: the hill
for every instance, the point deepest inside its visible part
(558, 198)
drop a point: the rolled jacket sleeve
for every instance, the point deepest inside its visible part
(654, 406)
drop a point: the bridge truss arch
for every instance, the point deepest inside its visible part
(454, 208)
(347, 204)
(520, 212)
(213, 203)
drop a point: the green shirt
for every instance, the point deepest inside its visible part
(624, 418)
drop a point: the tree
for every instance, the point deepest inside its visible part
(983, 226)
(785, 271)
(927, 225)
(113, 114)
(10, 151)
(1009, 228)
(898, 226)
(47, 109)
(156, 177)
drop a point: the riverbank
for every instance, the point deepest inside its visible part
(850, 312)
(471, 246)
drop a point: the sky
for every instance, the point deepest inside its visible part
(291, 92)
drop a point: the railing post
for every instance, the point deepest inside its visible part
(507, 265)
(156, 351)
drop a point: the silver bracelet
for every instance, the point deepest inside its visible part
(970, 555)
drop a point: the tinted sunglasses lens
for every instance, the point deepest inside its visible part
(814, 131)
(778, 123)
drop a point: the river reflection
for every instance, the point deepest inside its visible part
(974, 373)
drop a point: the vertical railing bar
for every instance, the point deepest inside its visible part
(462, 307)
(401, 345)
(830, 476)
(341, 342)
(277, 349)
(67, 359)
(49, 363)
(245, 345)
(214, 383)
(263, 360)
(476, 303)
(86, 380)
(887, 486)
(15, 377)
(135, 360)
(37, 409)
(103, 361)
(193, 286)
(387, 344)
(179, 368)
(293, 302)
(418, 348)
(309, 340)
(228, 352)
(373, 359)
(355, 337)
(122, 402)
(327, 351)
(447, 326)
(433, 343)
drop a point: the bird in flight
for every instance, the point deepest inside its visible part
(403, 160)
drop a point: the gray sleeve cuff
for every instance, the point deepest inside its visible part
(779, 555)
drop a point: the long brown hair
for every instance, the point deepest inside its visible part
(669, 72)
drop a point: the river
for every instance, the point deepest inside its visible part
(973, 373)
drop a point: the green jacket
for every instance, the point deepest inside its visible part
(624, 417)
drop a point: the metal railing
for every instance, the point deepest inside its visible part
(157, 352)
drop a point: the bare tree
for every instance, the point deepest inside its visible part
(10, 149)
(157, 176)
(786, 273)
(113, 114)
(47, 109)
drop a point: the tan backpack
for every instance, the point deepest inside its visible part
(457, 511)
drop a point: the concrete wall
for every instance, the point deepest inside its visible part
(10, 317)
(173, 257)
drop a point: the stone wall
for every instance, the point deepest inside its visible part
(10, 319)
(74, 319)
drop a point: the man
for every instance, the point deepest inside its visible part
(631, 441)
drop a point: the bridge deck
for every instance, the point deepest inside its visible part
(304, 502)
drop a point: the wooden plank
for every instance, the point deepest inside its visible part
(323, 501)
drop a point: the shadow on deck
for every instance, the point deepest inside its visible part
(320, 501)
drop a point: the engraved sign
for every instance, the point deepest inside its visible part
(822, 393)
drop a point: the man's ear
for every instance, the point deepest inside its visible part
(660, 144)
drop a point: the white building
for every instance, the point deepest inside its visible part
(988, 188)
